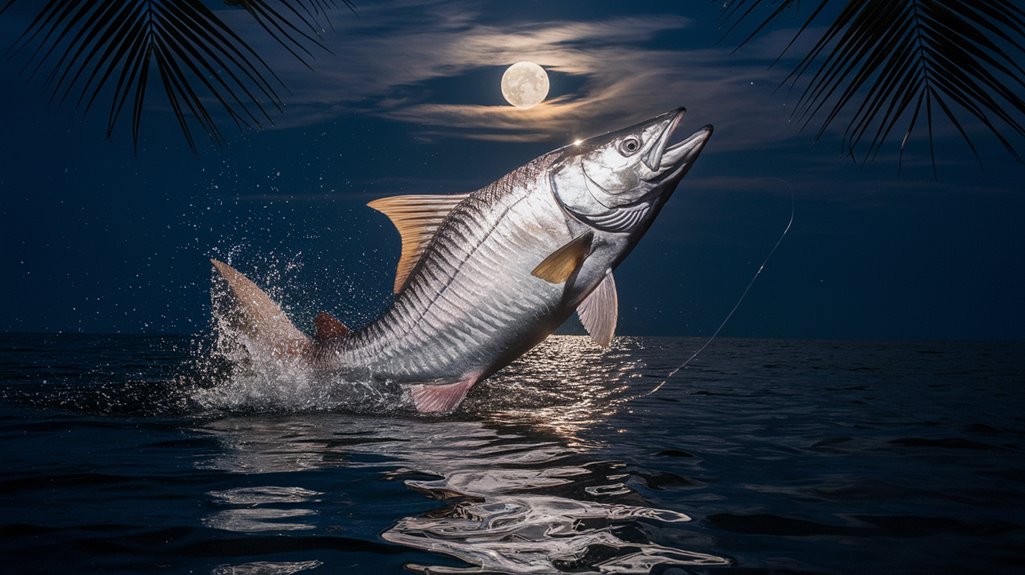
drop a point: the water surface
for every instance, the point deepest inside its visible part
(124, 454)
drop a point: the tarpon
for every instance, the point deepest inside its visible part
(484, 277)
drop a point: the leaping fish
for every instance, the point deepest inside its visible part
(483, 277)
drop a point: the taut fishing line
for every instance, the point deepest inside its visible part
(733, 310)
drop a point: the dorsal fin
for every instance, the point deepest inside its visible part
(565, 261)
(328, 326)
(599, 311)
(417, 218)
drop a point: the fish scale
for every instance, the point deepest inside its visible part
(458, 298)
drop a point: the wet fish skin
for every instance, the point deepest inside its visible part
(490, 274)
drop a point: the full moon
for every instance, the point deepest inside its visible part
(525, 84)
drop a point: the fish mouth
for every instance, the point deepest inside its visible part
(662, 157)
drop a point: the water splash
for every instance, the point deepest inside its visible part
(244, 376)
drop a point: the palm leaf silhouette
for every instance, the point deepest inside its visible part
(108, 50)
(890, 62)
(295, 25)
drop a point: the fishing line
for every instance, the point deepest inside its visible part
(758, 272)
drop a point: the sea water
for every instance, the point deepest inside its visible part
(134, 454)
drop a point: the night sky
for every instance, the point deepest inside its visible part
(96, 239)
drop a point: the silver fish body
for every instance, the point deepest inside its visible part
(471, 305)
(486, 276)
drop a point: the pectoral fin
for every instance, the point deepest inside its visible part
(417, 218)
(565, 261)
(600, 311)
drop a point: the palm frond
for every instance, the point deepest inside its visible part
(882, 63)
(295, 25)
(114, 50)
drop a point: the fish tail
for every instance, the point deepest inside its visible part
(243, 308)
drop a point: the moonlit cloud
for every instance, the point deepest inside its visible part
(391, 60)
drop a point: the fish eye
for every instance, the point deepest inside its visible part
(629, 146)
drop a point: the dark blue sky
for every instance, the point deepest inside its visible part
(95, 239)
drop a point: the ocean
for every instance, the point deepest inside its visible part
(139, 454)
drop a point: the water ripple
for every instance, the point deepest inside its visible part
(257, 509)
(795, 457)
(515, 499)
(267, 568)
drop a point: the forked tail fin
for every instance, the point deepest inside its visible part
(246, 309)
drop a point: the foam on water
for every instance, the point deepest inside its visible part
(264, 383)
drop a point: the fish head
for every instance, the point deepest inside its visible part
(617, 181)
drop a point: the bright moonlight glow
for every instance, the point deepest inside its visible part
(525, 84)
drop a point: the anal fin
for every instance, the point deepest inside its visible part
(441, 398)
